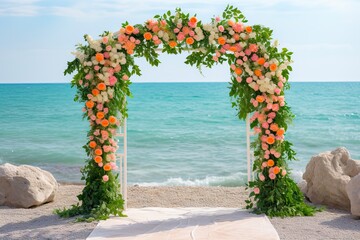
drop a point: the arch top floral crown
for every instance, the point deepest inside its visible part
(259, 71)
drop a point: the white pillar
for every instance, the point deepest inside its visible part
(124, 186)
(248, 153)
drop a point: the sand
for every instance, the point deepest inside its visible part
(41, 223)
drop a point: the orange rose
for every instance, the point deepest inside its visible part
(270, 163)
(98, 151)
(129, 29)
(238, 71)
(193, 20)
(261, 61)
(260, 98)
(98, 159)
(99, 57)
(189, 40)
(221, 40)
(90, 104)
(105, 123)
(101, 86)
(100, 115)
(280, 132)
(233, 49)
(231, 23)
(248, 29)
(92, 144)
(257, 72)
(107, 167)
(172, 44)
(273, 67)
(274, 127)
(112, 119)
(147, 36)
(95, 92)
(270, 140)
(276, 170)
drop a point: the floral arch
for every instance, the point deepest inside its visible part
(258, 71)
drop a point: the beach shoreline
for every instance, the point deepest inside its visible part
(41, 223)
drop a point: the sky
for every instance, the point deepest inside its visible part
(38, 36)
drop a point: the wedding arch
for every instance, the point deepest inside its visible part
(259, 73)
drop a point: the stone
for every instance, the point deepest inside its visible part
(26, 186)
(327, 175)
(353, 191)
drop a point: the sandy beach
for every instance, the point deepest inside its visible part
(41, 223)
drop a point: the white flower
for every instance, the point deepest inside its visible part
(207, 27)
(166, 37)
(110, 91)
(252, 35)
(99, 98)
(276, 43)
(243, 35)
(160, 33)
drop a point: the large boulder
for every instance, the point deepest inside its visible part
(25, 186)
(327, 175)
(353, 191)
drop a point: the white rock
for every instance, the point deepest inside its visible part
(327, 175)
(353, 191)
(25, 186)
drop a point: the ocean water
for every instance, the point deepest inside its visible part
(178, 133)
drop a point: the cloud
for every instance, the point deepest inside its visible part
(86, 8)
(19, 8)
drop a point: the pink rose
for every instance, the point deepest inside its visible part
(217, 19)
(275, 107)
(254, 57)
(247, 52)
(221, 28)
(256, 190)
(261, 177)
(112, 80)
(96, 68)
(93, 117)
(264, 164)
(255, 103)
(249, 79)
(272, 115)
(277, 91)
(283, 172)
(265, 125)
(272, 176)
(266, 64)
(108, 48)
(105, 178)
(106, 110)
(253, 47)
(238, 79)
(100, 164)
(136, 31)
(277, 154)
(180, 36)
(105, 40)
(125, 77)
(215, 58)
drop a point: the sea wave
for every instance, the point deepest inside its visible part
(235, 180)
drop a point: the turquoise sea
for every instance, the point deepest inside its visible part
(178, 133)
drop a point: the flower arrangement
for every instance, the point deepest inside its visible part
(259, 74)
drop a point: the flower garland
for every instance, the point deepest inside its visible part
(259, 74)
